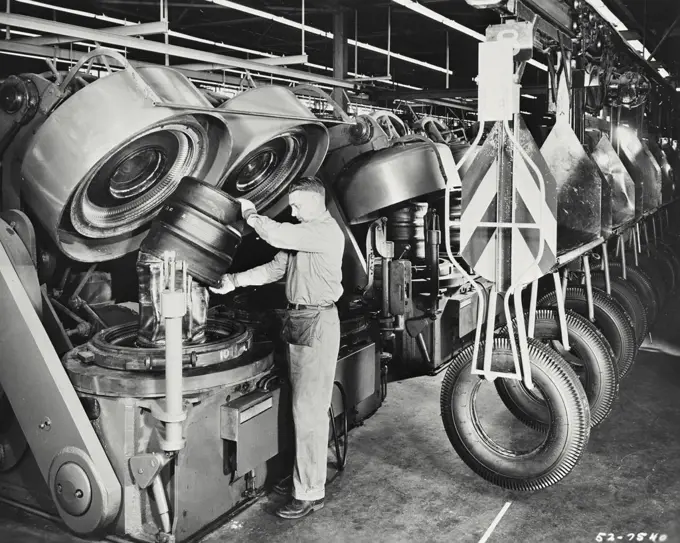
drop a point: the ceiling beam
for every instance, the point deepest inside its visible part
(271, 61)
(629, 35)
(445, 93)
(213, 22)
(142, 29)
(52, 27)
(13, 46)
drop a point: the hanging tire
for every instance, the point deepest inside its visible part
(668, 265)
(567, 435)
(626, 294)
(664, 267)
(591, 358)
(610, 318)
(652, 268)
(644, 286)
(672, 256)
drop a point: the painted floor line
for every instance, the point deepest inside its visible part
(495, 522)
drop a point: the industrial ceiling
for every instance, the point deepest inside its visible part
(393, 40)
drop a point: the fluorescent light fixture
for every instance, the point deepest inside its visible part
(271, 17)
(530, 96)
(607, 15)
(223, 45)
(427, 12)
(664, 73)
(525, 113)
(323, 33)
(22, 33)
(76, 12)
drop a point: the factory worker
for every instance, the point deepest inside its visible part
(311, 261)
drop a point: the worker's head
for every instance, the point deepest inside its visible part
(307, 198)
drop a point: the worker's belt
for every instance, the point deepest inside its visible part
(303, 306)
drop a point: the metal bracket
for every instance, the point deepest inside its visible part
(250, 490)
(159, 413)
(376, 246)
(145, 467)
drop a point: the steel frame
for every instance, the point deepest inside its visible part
(141, 29)
(52, 27)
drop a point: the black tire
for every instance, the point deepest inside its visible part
(668, 263)
(591, 358)
(565, 441)
(653, 268)
(672, 256)
(627, 295)
(610, 318)
(644, 286)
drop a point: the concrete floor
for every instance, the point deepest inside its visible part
(404, 482)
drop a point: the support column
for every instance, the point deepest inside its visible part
(340, 50)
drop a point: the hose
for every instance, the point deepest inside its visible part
(341, 456)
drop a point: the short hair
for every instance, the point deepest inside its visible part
(311, 184)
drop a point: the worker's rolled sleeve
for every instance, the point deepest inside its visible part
(267, 273)
(306, 237)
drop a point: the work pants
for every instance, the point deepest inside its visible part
(312, 373)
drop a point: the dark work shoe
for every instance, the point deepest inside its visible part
(299, 508)
(285, 487)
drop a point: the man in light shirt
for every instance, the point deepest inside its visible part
(310, 258)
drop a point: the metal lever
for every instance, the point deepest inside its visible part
(622, 250)
(589, 288)
(605, 266)
(561, 310)
(531, 327)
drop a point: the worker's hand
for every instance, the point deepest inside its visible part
(247, 208)
(227, 285)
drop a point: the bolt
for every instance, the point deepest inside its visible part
(59, 488)
(140, 471)
(79, 493)
(154, 463)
